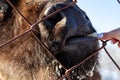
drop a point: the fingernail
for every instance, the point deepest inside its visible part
(100, 35)
(111, 41)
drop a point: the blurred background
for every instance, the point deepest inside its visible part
(105, 16)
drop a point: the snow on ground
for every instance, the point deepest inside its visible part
(107, 69)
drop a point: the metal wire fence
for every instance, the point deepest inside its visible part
(32, 26)
(118, 1)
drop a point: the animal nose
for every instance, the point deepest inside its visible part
(53, 20)
(67, 17)
(70, 14)
(74, 21)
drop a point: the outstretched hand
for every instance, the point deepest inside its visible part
(113, 35)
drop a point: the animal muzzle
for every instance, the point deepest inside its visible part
(74, 33)
(72, 20)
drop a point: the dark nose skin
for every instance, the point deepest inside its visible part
(77, 21)
(76, 42)
(70, 42)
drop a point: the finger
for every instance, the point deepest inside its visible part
(114, 41)
(103, 36)
(100, 36)
(119, 44)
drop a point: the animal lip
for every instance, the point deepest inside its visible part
(73, 39)
(77, 38)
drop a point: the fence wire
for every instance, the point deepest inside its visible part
(118, 1)
(32, 26)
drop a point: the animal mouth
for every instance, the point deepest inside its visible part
(76, 38)
(73, 39)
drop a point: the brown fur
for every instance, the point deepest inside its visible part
(25, 58)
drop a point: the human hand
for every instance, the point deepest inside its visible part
(113, 35)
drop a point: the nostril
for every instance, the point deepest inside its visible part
(53, 20)
(49, 10)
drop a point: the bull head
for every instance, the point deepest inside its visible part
(69, 35)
